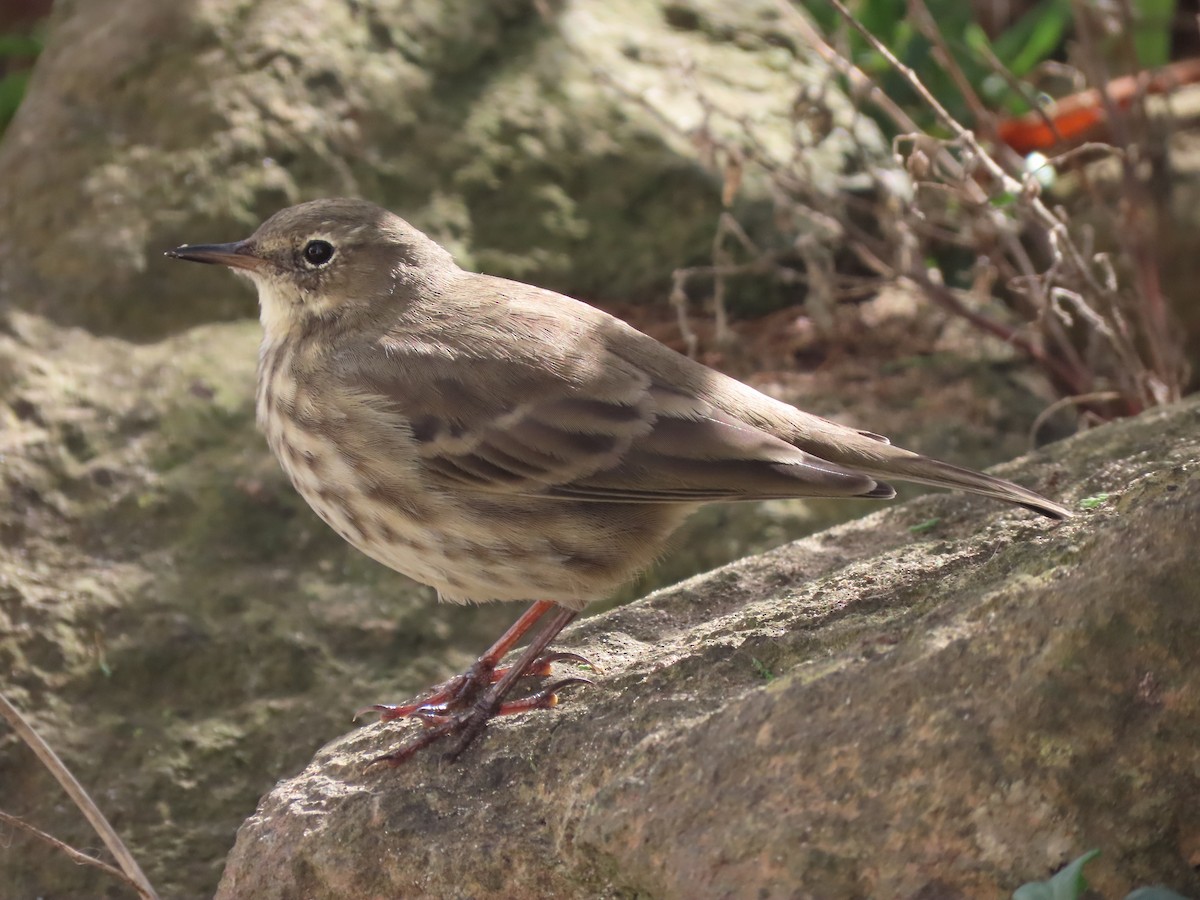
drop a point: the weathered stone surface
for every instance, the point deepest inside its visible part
(870, 712)
(498, 130)
(175, 620)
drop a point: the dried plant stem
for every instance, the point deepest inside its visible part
(860, 82)
(66, 849)
(919, 13)
(1137, 240)
(1088, 334)
(949, 300)
(132, 871)
(1144, 383)
(964, 135)
(1063, 403)
(1018, 87)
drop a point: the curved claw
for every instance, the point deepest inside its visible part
(463, 705)
(462, 688)
(388, 711)
(431, 736)
(567, 682)
(458, 690)
(381, 709)
(546, 698)
(567, 656)
(432, 716)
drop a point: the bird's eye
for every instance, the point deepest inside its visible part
(317, 253)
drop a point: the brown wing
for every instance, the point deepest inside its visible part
(562, 417)
(576, 447)
(502, 388)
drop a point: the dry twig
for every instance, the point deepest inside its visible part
(130, 871)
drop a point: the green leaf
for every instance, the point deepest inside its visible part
(1034, 36)
(12, 91)
(882, 18)
(975, 38)
(927, 525)
(19, 45)
(1152, 31)
(763, 670)
(1066, 884)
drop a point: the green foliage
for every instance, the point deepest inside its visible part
(1034, 38)
(1031, 40)
(922, 527)
(1037, 36)
(1152, 31)
(12, 91)
(19, 48)
(1069, 884)
(763, 670)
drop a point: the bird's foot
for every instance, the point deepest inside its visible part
(468, 724)
(464, 705)
(459, 691)
(462, 690)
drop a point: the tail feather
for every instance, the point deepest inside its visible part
(924, 470)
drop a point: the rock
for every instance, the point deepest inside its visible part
(177, 623)
(944, 699)
(498, 130)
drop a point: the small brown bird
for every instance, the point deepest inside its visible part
(502, 442)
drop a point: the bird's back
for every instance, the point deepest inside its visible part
(499, 441)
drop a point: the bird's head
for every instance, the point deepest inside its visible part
(327, 260)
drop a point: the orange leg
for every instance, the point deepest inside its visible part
(464, 705)
(467, 686)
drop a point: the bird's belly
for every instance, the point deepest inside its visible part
(386, 522)
(471, 548)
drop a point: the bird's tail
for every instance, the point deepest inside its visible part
(924, 470)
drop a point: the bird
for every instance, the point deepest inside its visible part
(501, 441)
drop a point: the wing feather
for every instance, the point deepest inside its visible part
(499, 388)
(597, 433)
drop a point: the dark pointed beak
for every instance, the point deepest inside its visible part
(238, 255)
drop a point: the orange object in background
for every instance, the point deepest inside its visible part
(1084, 116)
